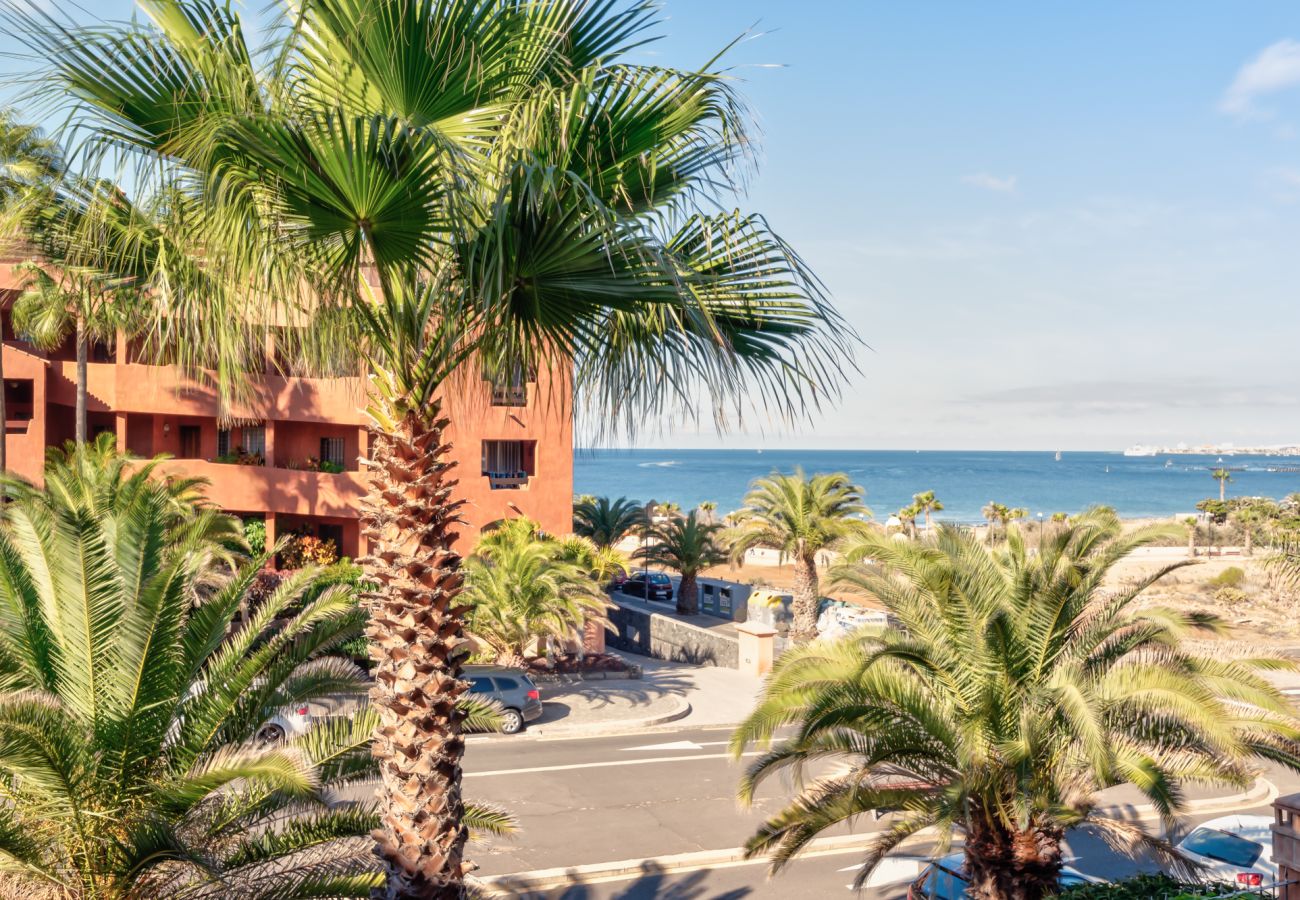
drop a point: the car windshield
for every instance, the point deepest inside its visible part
(1222, 846)
(660, 579)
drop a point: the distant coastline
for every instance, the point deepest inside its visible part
(1213, 450)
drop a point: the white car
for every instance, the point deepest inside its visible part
(1236, 849)
(288, 722)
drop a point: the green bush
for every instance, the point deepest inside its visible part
(1230, 577)
(1154, 887)
(1230, 596)
(255, 535)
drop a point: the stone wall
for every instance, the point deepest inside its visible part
(664, 637)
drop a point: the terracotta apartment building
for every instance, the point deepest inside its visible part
(513, 444)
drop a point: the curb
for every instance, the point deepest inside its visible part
(618, 726)
(563, 876)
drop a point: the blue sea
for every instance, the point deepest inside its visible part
(964, 480)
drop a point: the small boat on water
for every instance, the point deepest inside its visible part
(1058, 455)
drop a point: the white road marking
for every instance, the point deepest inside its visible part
(607, 763)
(674, 745)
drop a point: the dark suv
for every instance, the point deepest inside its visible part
(651, 585)
(519, 697)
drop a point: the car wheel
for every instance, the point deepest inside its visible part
(512, 721)
(271, 734)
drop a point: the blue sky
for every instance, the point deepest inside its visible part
(1055, 226)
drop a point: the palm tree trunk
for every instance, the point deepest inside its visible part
(1250, 539)
(688, 595)
(1013, 865)
(806, 596)
(1223, 487)
(1191, 543)
(81, 379)
(415, 629)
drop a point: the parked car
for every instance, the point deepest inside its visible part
(943, 879)
(1234, 849)
(285, 724)
(651, 585)
(521, 701)
(618, 579)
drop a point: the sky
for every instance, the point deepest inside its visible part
(1054, 226)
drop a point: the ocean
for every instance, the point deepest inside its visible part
(964, 480)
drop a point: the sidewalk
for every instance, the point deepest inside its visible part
(668, 693)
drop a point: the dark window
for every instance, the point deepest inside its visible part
(103, 352)
(331, 450)
(332, 533)
(1225, 847)
(659, 578)
(18, 399)
(190, 441)
(480, 686)
(223, 442)
(506, 684)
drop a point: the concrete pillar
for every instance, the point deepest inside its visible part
(1286, 844)
(757, 648)
(270, 536)
(119, 419)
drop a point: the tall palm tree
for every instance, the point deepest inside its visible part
(29, 161)
(927, 504)
(1015, 687)
(466, 185)
(130, 704)
(606, 521)
(689, 546)
(800, 516)
(1189, 523)
(907, 515)
(993, 513)
(1223, 476)
(709, 511)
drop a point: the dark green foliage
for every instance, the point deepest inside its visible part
(1155, 887)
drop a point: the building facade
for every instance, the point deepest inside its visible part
(293, 459)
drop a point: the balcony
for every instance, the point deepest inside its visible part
(508, 465)
(282, 491)
(510, 395)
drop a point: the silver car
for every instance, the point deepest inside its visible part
(520, 700)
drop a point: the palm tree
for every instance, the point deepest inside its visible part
(29, 161)
(1015, 687)
(1248, 517)
(907, 515)
(994, 513)
(1189, 523)
(526, 588)
(708, 511)
(606, 521)
(130, 705)
(689, 546)
(927, 504)
(466, 186)
(799, 516)
(1223, 476)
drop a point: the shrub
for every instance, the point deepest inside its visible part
(308, 550)
(1147, 887)
(255, 535)
(1230, 577)
(1230, 596)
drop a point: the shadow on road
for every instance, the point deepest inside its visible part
(632, 692)
(652, 884)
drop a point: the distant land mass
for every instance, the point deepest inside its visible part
(1213, 450)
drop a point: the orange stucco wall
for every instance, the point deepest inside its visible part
(147, 405)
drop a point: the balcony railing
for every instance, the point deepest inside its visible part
(506, 481)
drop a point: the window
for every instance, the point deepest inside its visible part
(255, 441)
(481, 686)
(509, 464)
(506, 684)
(1223, 847)
(223, 442)
(191, 437)
(331, 450)
(18, 400)
(510, 386)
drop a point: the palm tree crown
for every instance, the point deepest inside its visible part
(1013, 689)
(606, 521)
(1223, 476)
(129, 703)
(799, 516)
(689, 545)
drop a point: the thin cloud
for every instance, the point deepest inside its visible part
(1276, 68)
(1118, 397)
(1001, 184)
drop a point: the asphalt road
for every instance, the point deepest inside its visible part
(639, 797)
